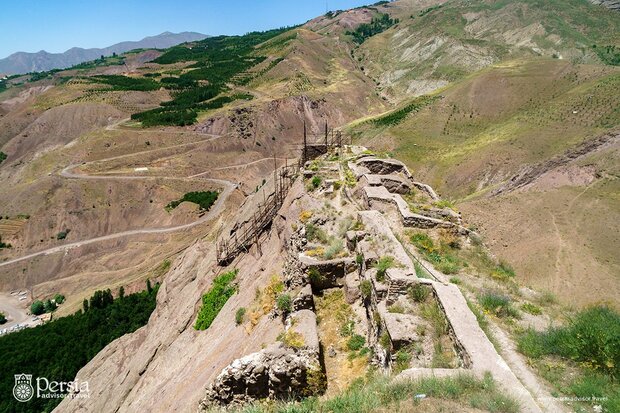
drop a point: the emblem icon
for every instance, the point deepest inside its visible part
(23, 390)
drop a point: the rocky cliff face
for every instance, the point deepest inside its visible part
(327, 291)
(166, 365)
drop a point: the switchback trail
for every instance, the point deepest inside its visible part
(69, 173)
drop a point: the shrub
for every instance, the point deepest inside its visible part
(531, 309)
(439, 257)
(365, 289)
(50, 306)
(547, 298)
(240, 315)
(503, 271)
(498, 304)
(316, 181)
(402, 360)
(284, 303)
(383, 265)
(59, 298)
(592, 337)
(346, 328)
(214, 299)
(304, 216)
(385, 341)
(335, 248)
(397, 116)
(356, 342)
(2, 318)
(359, 259)
(315, 276)
(37, 307)
(418, 293)
(314, 233)
(423, 242)
(62, 234)
(449, 265)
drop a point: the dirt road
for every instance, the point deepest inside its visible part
(15, 310)
(69, 173)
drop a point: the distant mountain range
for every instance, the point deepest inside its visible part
(23, 62)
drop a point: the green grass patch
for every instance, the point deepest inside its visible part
(204, 199)
(441, 256)
(592, 338)
(419, 293)
(356, 342)
(397, 116)
(503, 271)
(380, 393)
(214, 299)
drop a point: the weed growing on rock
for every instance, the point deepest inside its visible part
(382, 265)
(240, 315)
(284, 303)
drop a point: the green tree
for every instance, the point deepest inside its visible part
(59, 298)
(37, 308)
(49, 306)
(121, 292)
(2, 318)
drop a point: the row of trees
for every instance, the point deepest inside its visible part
(39, 307)
(219, 60)
(58, 349)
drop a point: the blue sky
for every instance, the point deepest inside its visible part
(57, 25)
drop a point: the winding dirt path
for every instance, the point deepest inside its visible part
(70, 173)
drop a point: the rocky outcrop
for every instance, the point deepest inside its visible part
(276, 373)
(383, 166)
(287, 370)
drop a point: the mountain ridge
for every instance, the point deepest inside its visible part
(25, 62)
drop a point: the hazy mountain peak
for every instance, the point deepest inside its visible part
(23, 62)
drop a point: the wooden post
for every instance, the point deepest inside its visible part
(275, 178)
(326, 144)
(305, 154)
